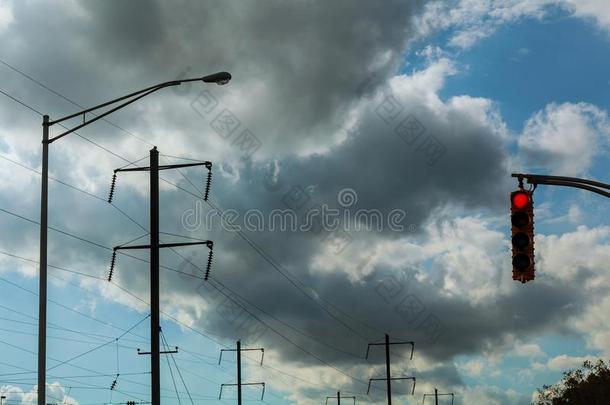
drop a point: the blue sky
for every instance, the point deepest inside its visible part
(520, 87)
(526, 65)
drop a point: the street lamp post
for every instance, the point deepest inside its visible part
(2, 398)
(218, 78)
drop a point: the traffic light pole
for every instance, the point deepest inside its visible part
(574, 182)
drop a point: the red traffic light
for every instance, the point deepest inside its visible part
(522, 230)
(520, 199)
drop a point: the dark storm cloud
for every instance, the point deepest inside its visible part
(308, 58)
(130, 32)
(393, 302)
(307, 61)
(386, 173)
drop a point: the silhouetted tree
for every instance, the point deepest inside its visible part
(589, 384)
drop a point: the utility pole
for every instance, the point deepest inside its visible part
(239, 372)
(389, 377)
(154, 246)
(219, 78)
(388, 374)
(155, 357)
(42, 278)
(436, 395)
(239, 383)
(339, 398)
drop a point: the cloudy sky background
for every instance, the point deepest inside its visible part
(500, 87)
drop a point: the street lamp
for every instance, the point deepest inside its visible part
(2, 398)
(219, 78)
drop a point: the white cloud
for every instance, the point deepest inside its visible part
(16, 395)
(574, 214)
(468, 37)
(594, 324)
(481, 110)
(599, 10)
(6, 14)
(472, 254)
(474, 20)
(473, 367)
(563, 362)
(473, 257)
(544, 214)
(424, 83)
(564, 138)
(562, 255)
(529, 350)
(490, 395)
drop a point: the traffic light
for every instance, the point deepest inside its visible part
(522, 229)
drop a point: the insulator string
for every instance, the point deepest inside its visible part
(112, 185)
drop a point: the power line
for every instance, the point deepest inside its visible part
(177, 369)
(108, 248)
(259, 250)
(278, 268)
(252, 244)
(275, 265)
(258, 319)
(222, 292)
(100, 346)
(171, 373)
(172, 234)
(72, 365)
(58, 327)
(63, 126)
(29, 77)
(67, 307)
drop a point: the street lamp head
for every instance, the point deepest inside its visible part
(219, 78)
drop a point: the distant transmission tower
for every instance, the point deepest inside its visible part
(239, 384)
(338, 397)
(389, 377)
(436, 395)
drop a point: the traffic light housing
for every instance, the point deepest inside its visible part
(522, 230)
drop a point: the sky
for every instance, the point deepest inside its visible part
(362, 157)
